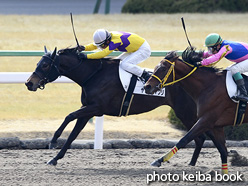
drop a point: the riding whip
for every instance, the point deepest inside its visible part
(186, 32)
(74, 30)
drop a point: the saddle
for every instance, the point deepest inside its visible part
(139, 87)
(233, 91)
(132, 85)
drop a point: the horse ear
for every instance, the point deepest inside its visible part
(45, 49)
(54, 53)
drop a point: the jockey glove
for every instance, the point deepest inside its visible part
(82, 56)
(198, 64)
(80, 48)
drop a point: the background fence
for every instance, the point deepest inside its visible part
(21, 77)
(40, 53)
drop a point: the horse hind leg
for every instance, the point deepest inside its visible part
(218, 138)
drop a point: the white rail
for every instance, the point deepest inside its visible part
(21, 77)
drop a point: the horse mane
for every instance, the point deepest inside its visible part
(68, 51)
(191, 56)
(73, 51)
(171, 55)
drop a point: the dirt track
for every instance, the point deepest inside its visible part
(106, 167)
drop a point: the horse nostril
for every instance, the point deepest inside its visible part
(147, 87)
(29, 84)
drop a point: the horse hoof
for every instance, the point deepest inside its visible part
(156, 163)
(191, 164)
(52, 145)
(52, 162)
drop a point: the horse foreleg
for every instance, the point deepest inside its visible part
(80, 124)
(57, 134)
(157, 163)
(198, 146)
(83, 115)
(72, 116)
(194, 132)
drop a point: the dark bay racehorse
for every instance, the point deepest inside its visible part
(102, 93)
(206, 85)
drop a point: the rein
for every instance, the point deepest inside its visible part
(172, 69)
(93, 74)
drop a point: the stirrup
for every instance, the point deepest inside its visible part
(145, 76)
(145, 79)
(240, 98)
(234, 98)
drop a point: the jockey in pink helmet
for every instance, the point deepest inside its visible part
(135, 49)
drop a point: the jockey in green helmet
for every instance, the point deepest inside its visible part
(236, 52)
(212, 41)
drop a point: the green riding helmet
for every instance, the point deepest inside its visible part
(213, 40)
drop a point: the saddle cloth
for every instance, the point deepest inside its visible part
(231, 85)
(139, 88)
(233, 91)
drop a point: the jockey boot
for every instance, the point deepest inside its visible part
(145, 75)
(243, 92)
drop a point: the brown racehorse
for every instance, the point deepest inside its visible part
(102, 93)
(206, 85)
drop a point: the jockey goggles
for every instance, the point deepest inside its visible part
(212, 48)
(103, 45)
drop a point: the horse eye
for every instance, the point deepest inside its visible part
(45, 65)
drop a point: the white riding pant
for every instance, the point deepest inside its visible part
(241, 67)
(129, 61)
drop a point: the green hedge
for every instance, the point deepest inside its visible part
(231, 133)
(237, 133)
(181, 6)
(174, 120)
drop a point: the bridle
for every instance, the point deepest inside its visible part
(162, 82)
(51, 74)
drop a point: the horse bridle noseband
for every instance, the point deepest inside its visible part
(163, 81)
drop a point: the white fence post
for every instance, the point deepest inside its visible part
(98, 143)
